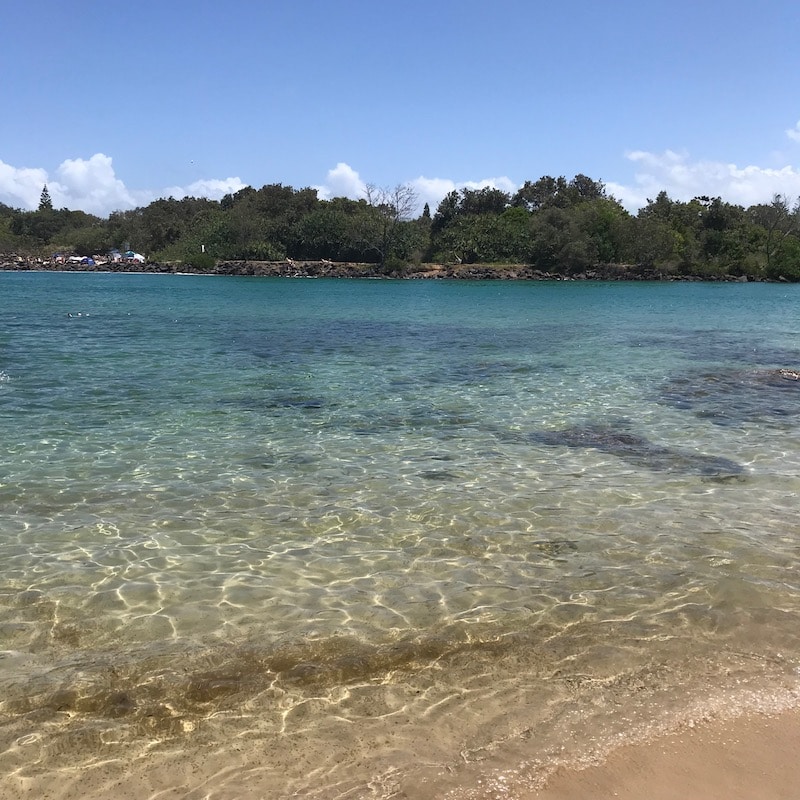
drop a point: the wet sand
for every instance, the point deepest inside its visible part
(742, 759)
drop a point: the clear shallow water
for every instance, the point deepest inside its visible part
(385, 539)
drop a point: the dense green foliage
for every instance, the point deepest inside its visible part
(552, 224)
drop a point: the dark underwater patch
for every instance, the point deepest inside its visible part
(638, 451)
(734, 397)
(273, 401)
(476, 373)
(438, 475)
(715, 347)
(414, 419)
(353, 337)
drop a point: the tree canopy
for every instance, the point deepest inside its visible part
(553, 224)
(45, 203)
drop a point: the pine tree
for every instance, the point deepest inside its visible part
(45, 203)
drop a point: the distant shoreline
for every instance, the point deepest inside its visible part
(330, 269)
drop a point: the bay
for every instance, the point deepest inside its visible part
(382, 539)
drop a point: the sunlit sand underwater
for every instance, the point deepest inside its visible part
(382, 539)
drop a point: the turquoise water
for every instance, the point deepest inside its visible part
(385, 539)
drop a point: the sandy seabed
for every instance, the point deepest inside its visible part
(752, 757)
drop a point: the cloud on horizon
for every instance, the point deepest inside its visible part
(433, 190)
(344, 181)
(91, 184)
(682, 179)
(212, 189)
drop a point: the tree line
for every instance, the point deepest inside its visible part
(552, 224)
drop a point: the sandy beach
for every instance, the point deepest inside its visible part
(742, 759)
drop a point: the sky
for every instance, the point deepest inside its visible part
(114, 103)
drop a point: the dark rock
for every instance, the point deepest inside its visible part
(638, 451)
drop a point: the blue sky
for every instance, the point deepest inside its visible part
(114, 104)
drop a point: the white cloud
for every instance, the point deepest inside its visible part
(342, 181)
(503, 183)
(682, 179)
(794, 133)
(21, 186)
(91, 185)
(433, 190)
(213, 189)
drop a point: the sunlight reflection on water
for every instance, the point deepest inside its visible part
(473, 523)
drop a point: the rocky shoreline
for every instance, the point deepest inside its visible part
(330, 269)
